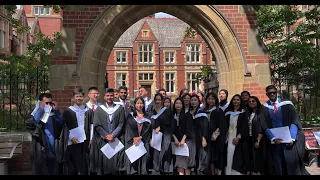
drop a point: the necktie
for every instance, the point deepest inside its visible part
(275, 109)
(93, 108)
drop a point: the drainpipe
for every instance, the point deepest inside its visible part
(132, 70)
(159, 67)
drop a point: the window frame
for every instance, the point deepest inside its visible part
(121, 56)
(189, 52)
(173, 58)
(143, 53)
(189, 81)
(171, 81)
(122, 82)
(143, 76)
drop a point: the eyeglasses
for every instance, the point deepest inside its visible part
(269, 93)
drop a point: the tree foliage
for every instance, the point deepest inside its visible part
(190, 32)
(21, 74)
(290, 35)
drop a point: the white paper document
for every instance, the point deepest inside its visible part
(112, 148)
(180, 151)
(136, 151)
(78, 133)
(282, 133)
(156, 140)
(317, 135)
(46, 115)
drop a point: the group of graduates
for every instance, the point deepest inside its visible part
(230, 138)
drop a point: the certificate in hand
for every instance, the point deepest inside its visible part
(282, 133)
(136, 151)
(78, 133)
(156, 140)
(112, 148)
(180, 151)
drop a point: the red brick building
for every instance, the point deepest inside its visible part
(5, 33)
(49, 21)
(155, 53)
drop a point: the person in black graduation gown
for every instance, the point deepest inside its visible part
(44, 148)
(162, 121)
(223, 96)
(256, 140)
(245, 97)
(201, 125)
(236, 153)
(183, 163)
(217, 137)
(138, 128)
(107, 124)
(287, 157)
(92, 104)
(186, 100)
(75, 162)
(128, 108)
(149, 103)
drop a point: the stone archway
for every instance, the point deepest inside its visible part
(207, 20)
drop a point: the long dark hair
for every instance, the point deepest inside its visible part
(258, 104)
(135, 110)
(161, 96)
(215, 97)
(181, 92)
(198, 107)
(169, 101)
(174, 108)
(231, 107)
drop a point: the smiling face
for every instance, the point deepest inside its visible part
(178, 105)
(139, 105)
(211, 101)
(93, 95)
(78, 98)
(272, 94)
(252, 103)
(194, 102)
(167, 103)
(222, 95)
(158, 101)
(236, 101)
(108, 97)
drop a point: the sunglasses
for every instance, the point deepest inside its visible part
(51, 103)
(269, 93)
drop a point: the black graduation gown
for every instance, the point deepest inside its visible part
(217, 120)
(40, 154)
(295, 154)
(98, 161)
(121, 153)
(162, 160)
(241, 155)
(180, 130)
(201, 125)
(258, 155)
(76, 155)
(139, 167)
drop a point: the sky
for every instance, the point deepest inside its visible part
(163, 15)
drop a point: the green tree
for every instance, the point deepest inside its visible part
(289, 35)
(21, 73)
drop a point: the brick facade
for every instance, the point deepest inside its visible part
(179, 67)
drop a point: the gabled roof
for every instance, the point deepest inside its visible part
(33, 25)
(169, 32)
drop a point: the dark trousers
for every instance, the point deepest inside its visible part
(278, 157)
